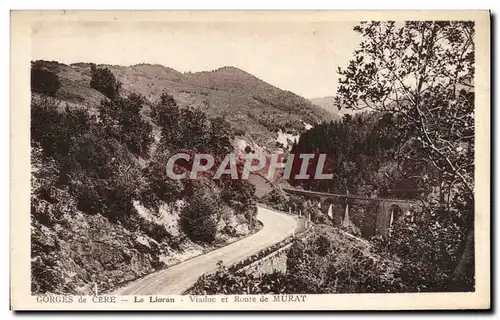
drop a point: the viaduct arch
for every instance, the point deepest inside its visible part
(388, 210)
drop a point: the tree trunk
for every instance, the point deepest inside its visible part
(464, 271)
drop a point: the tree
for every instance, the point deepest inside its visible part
(221, 136)
(355, 148)
(167, 115)
(422, 72)
(122, 120)
(159, 186)
(105, 82)
(44, 81)
(200, 217)
(190, 128)
(55, 130)
(195, 129)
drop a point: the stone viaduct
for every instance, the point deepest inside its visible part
(388, 211)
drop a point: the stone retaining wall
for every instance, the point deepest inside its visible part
(275, 261)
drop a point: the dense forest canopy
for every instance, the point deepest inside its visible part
(362, 156)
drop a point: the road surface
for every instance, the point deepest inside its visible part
(176, 279)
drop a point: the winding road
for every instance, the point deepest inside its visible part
(176, 279)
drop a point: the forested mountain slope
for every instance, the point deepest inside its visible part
(257, 109)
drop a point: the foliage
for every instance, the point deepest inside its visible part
(277, 199)
(294, 204)
(199, 217)
(181, 128)
(122, 120)
(359, 153)
(54, 129)
(330, 262)
(263, 253)
(226, 282)
(44, 81)
(325, 262)
(104, 81)
(167, 115)
(190, 128)
(429, 248)
(86, 167)
(160, 188)
(239, 194)
(95, 167)
(422, 73)
(317, 216)
(221, 136)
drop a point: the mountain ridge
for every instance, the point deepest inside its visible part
(327, 103)
(255, 108)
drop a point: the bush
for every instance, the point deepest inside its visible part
(159, 187)
(103, 176)
(322, 245)
(56, 130)
(330, 262)
(122, 120)
(276, 199)
(44, 81)
(154, 230)
(227, 282)
(429, 248)
(303, 270)
(199, 218)
(104, 81)
(240, 195)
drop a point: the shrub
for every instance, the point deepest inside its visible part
(330, 262)
(302, 270)
(322, 245)
(429, 248)
(240, 195)
(224, 281)
(199, 218)
(325, 262)
(152, 229)
(112, 197)
(318, 217)
(56, 130)
(44, 81)
(122, 120)
(104, 81)
(276, 199)
(159, 186)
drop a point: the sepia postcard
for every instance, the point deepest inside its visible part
(250, 160)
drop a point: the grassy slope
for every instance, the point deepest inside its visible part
(251, 105)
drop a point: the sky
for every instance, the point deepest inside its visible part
(301, 57)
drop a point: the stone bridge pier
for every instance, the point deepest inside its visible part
(338, 206)
(389, 212)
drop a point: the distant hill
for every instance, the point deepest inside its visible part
(327, 104)
(256, 109)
